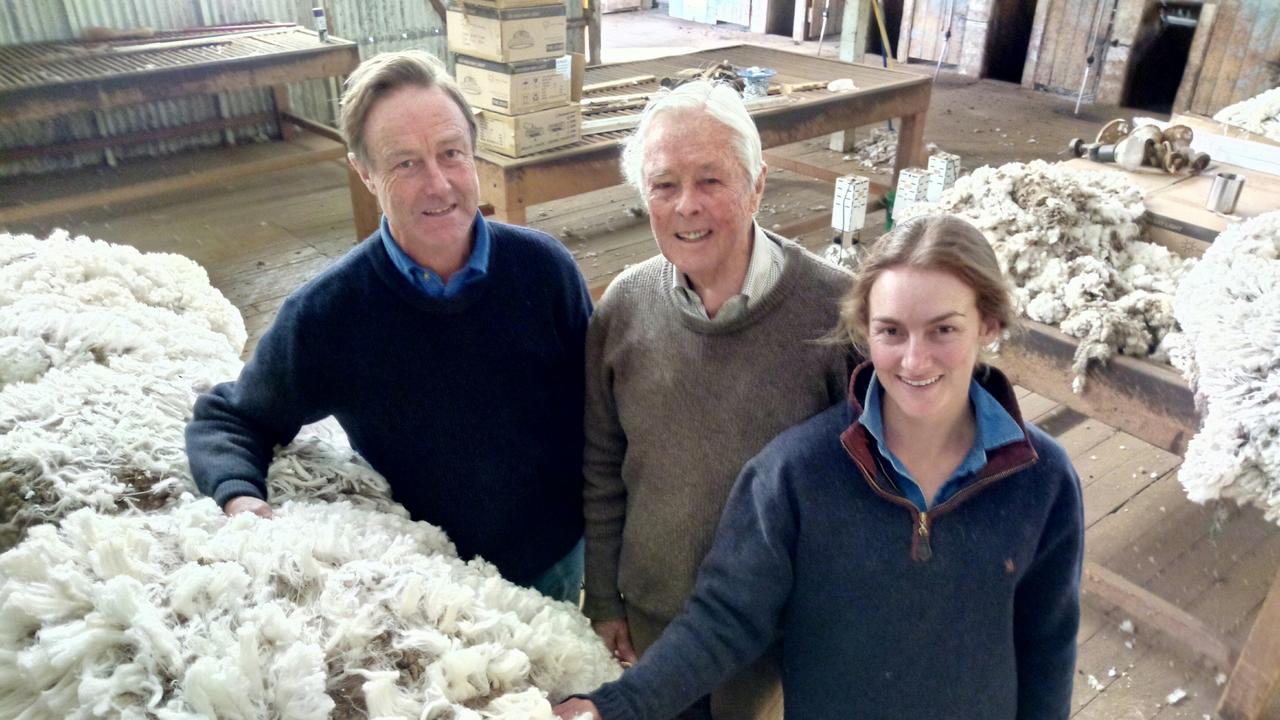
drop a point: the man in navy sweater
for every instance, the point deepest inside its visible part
(449, 348)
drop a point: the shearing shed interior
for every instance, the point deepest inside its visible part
(171, 171)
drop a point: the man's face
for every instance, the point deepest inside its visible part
(701, 199)
(422, 169)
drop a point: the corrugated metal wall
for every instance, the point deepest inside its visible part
(377, 25)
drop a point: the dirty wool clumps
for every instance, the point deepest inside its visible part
(323, 611)
(1259, 114)
(122, 595)
(879, 150)
(103, 351)
(1229, 309)
(1071, 244)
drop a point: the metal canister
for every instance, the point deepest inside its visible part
(1224, 193)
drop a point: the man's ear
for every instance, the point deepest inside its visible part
(363, 171)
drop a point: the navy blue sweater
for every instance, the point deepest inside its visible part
(471, 407)
(968, 611)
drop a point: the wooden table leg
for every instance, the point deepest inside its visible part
(503, 189)
(280, 96)
(1255, 681)
(910, 144)
(364, 206)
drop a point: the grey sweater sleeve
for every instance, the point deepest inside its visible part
(604, 494)
(733, 613)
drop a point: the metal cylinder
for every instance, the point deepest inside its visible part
(1224, 193)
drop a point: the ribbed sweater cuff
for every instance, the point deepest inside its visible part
(599, 608)
(611, 705)
(230, 489)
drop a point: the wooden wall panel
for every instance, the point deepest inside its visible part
(1241, 57)
(923, 30)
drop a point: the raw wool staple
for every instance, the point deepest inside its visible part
(1228, 307)
(326, 610)
(878, 151)
(103, 351)
(1259, 114)
(125, 596)
(1072, 245)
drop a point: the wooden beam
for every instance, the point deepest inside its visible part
(1142, 398)
(140, 191)
(40, 103)
(135, 138)
(440, 11)
(1254, 686)
(365, 212)
(619, 83)
(315, 127)
(1195, 58)
(1162, 616)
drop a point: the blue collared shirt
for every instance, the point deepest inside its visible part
(995, 427)
(428, 280)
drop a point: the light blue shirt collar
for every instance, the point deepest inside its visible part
(995, 427)
(427, 280)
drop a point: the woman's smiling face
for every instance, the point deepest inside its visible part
(925, 333)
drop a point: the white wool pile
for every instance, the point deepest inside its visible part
(130, 598)
(103, 350)
(1071, 243)
(1259, 114)
(1229, 309)
(326, 610)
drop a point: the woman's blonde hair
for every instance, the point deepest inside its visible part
(931, 242)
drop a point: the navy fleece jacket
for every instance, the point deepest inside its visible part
(967, 612)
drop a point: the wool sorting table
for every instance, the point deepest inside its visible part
(1152, 402)
(513, 184)
(40, 81)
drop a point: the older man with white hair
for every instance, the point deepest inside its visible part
(695, 360)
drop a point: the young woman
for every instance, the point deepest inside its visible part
(918, 548)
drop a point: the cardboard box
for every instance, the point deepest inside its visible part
(944, 169)
(514, 88)
(913, 187)
(519, 135)
(849, 206)
(507, 36)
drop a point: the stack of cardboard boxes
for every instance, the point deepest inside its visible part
(512, 66)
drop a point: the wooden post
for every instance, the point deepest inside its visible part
(853, 46)
(1255, 682)
(1195, 59)
(364, 206)
(910, 144)
(280, 95)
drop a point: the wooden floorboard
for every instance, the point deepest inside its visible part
(260, 238)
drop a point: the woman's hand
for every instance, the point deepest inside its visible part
(573, 708)
(617, 637)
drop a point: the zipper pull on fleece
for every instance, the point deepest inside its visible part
(921, 549)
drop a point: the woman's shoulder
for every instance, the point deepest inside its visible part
(808, 443)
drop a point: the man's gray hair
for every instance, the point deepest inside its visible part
(382, 75)
(721, 102)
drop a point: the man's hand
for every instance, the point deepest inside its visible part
(617, 637)
(249, 504)
(573, 707)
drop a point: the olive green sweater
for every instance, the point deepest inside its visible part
(676, 405)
